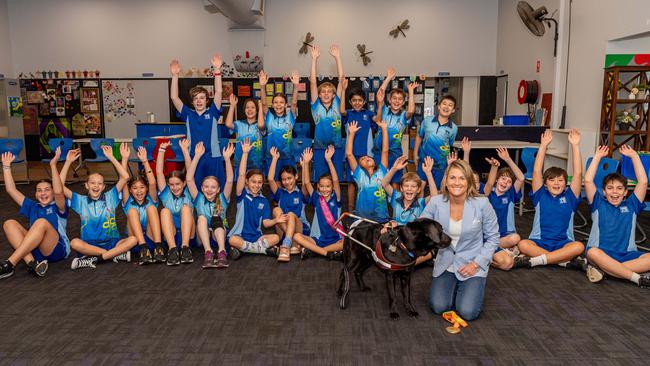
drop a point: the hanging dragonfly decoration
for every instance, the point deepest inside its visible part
(306, 44)
(364, 54)
(400, 29)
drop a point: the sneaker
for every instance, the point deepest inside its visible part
(222, 259)
(235, 253)
(335, 256)
(145, 257)
(521, 261)
(173, 258)
(284, 255)
(124, 257)
(644, 281)
(84, 262)
(208, 260)
(295, 249)
(272, 252)
(594, 274)
(306, 253)
(38, 269)
(159, 255)
(186, 255)
(6, 269)
(578, 263)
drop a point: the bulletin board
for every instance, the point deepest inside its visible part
(128, 101)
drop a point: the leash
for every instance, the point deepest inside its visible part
(456, 321)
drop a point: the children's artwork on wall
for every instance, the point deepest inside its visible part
(60, 111)
(243, 91)
(66, 89)
(279, 88)
(269, 89)
(93, 124)
(52, 128)
(227, 90)
(301, 96)
(288, 88)
(44, 109)
(35, 97)
(51, 94)
(15, 106)
(302, 87)
(30, 119)
(78, 125)
(89, 100)
(118, 98)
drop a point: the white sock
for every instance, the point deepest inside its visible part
(262, 243)
(635, 278)
(540, 260)
(563, 264)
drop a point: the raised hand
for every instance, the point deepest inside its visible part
(451, 157)
(307, 155)
(57, 156)
(199, 149)
(466, 144)
(175, 67)
(574, 136)
(108, 151)
(380, 95)
(503, 153)
(142, 155)
(626, 150)
(603, 150)
(233, 99)
(353, 127)
(390, 73)
(335, 51)
(246, 146)
(329, 152)
(216, 61)
(315, 52)
(228, 151)
(412, 86)
(163, 145)
(264, 79)
(546, 138)
(275, 154)
(427, 166)
(73, 154)
(295, 77)
(7, 159)
(185, 145)
(400, 163)
(125, 150)
(382, 124)
(494, 162)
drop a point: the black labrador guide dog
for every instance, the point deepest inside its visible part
(394, 251)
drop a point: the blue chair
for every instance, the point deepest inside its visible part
(176, 149)
(64, 143)
(299, 145)
(148, 143)
(301, 130)
(15, 146)
(528, 155)
(96, 146)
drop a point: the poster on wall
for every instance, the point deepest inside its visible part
(35, 97)
(227, 91)
(89, 100)
(78, 125)
(119, 99)
(15, 106)
(30, 119)
(93, 124)
(52, 128)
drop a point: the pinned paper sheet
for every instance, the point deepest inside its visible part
(269, 89)
(256, 85)
(302, 87)
(279, 87)
(302, 96)
(243, 91)
(269, 100)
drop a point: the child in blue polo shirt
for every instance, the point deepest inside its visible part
(551, 240)
(177, 216)
(396, 118)
(371, 198)
(45, 239)
(323, 239)
(611, 247)
(436, 137)
(202, 121)
(211, 204)
(100, 237)
(363, 143)
(279, 122)
(326, 112)
(503, 189)
(290, 202)
(253, 212)
(140, 205)
(251, 128)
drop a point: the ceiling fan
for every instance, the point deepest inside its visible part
(534, 19)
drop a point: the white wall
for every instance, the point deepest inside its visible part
(632, 45)
(124, 38)
(6, 63)
(518, 51)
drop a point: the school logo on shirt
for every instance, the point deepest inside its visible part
(260, 206)
(296, 200)
(562, 200)
(48, 211)
(504, 201)
(624, 209)
(206, 116)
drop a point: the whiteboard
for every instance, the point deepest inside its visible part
(126, 102)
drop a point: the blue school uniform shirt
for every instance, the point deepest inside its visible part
(504, 207)
(251, 211)
(98, 223)
(437, 140)
(33, 211)
(291, 202)
(278, 131)
(613, 226)
(371, 197)
(397, 123)
(140, 208)
(363, 138)
(202, 128)
(205, 208)
(553, 220)
(321, 231)
(404, 216)
(250, 131)
(175, 204)
(328, 124)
